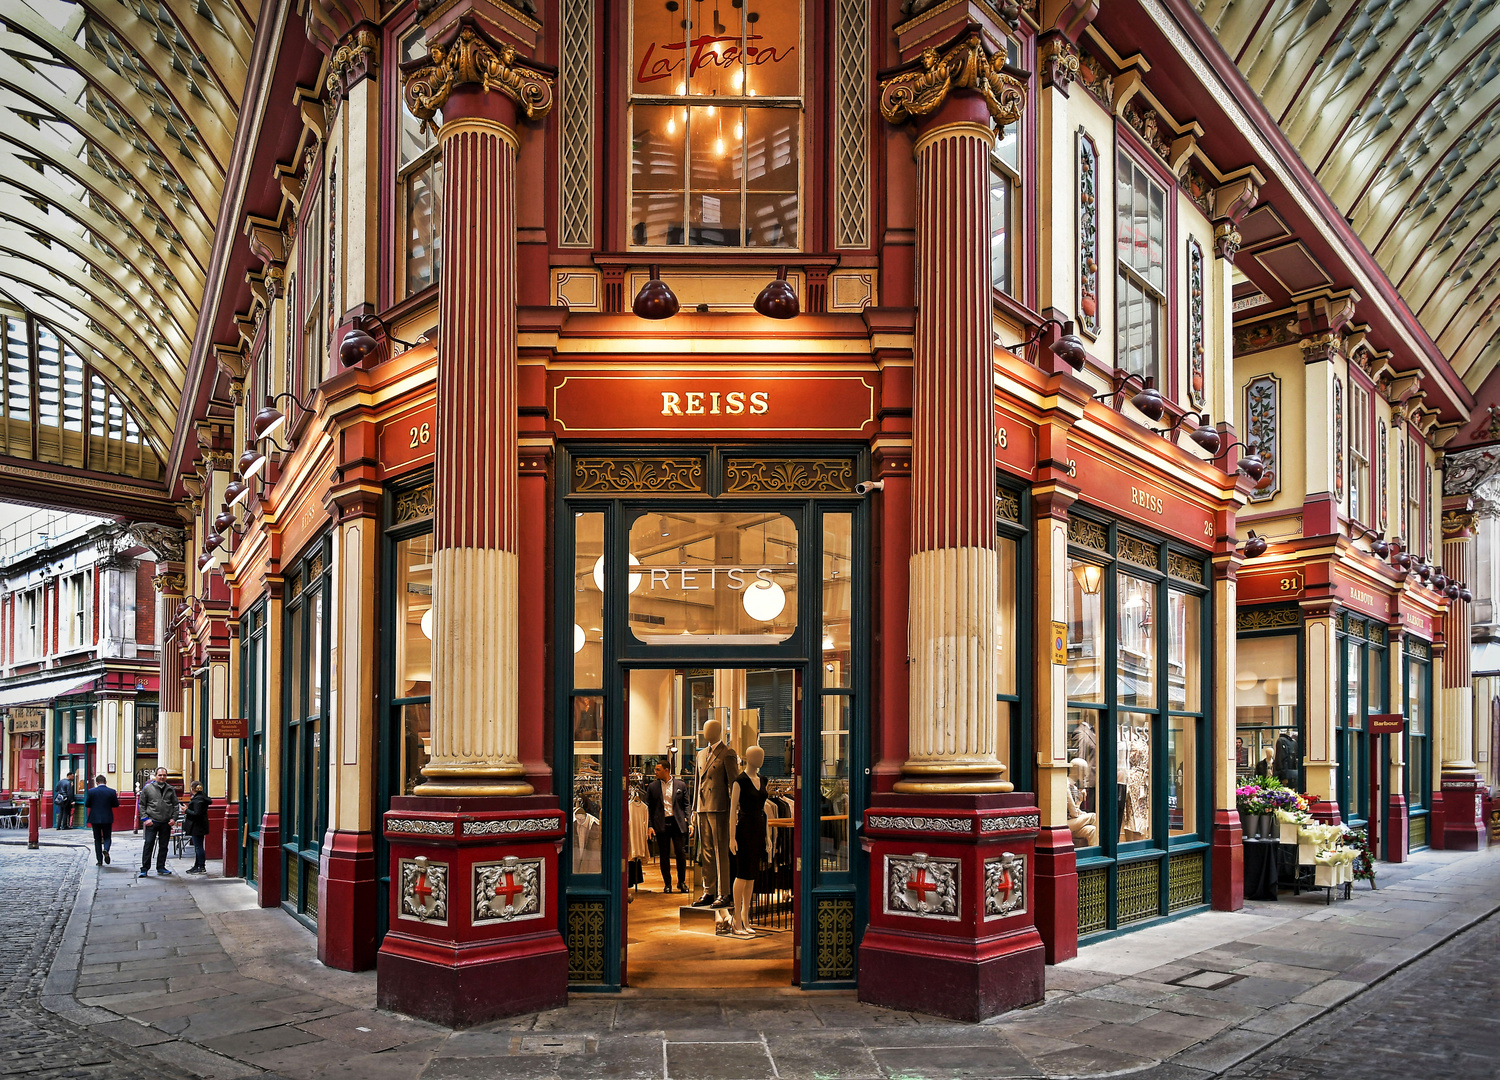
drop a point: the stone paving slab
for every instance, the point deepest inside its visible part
(190, 970)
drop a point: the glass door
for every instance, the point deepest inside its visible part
(253, 751)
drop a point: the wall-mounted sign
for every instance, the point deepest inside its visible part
(231, 727)
(23, 721)
(1141, 498)
(675, 404)
(1418, 622)
(77, 748)
(409, 438)
(1387, 723)
(184, 742)
(1060, 643)
(1274, 583)
(1015, 443)
(1362, 597)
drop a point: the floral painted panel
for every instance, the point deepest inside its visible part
(1196, 332)
(1384, 476)
(1338, 440)
(1262, 421)
(1088, 234)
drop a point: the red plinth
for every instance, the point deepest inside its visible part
(47, 818)
(213, 844)
(347, 895)
(1228, 860)
(473, 909)
(1463, 813)
(268, 861)
(1395, 844)
(125, 812)
(1056, 880)
(952, 905)
(230, 840)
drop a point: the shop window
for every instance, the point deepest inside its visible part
(1012, 724)
(834, 752)
(1267, 728)
(1359, 453)
(1185, 705)
(1362, 682)
(304, 759)
(711, 579)
(412, 634)
(419, 183)
(715, 120)
(1140, 239)
(1418, 733)
(253, 676)
(1005, 198)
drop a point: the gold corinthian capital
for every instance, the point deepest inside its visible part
(470, 58)
(913, 95)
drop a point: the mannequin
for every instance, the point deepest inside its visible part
(1284, 768)
(1082, 825)
(747, 836)
(1135, 820)
(1266, 765)
(718, 766)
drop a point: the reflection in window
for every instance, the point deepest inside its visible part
(720, 579)
(1135, 653)
(1133, 765)
(1083, 776)
(1085, 631)
(419, 177)
(1182, 786)
(586, 824)
(834, 784)
(1266, 724)
(1184, 652)
(413, 682)
(838, 590)
(588, 600)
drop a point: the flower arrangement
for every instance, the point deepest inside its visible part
(1358, 840)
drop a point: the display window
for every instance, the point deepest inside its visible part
(1137, 616)
(712, 660)
(407, 654)
(1268, 709)
(715, 124)
(1362, 688)
(147, 732)
(1012, 612)
(304, 762)
(253, 682)
(1417, 682)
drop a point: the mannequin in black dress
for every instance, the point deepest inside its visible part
(747, 835)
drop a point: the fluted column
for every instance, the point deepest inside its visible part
(954, 731)
(1457, 703)
(170, 584)
(474, 686)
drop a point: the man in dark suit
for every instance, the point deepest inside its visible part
(99, 804)
(667, 805)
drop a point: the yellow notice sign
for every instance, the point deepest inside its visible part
(1060, 643)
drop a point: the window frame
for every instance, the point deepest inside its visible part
(1361, 422)
(1417, 751)
(1417, 531)
(1161, 342)
(254, 672)
(301, 838)
(428, 163)
(1354, 741)
(1009, 176)
(310, 261)
(688, 101)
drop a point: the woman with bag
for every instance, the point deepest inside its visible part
(195, 824)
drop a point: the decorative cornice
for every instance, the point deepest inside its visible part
(471, 58)
(356, 58)
(1057, 58)
(913, 95)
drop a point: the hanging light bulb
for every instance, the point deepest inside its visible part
(635, 579)
(764, 600)
(739, 130)
(719, 146)
(579, 638)
(671, 125)
(710, 110)
(739, 79)
(427, 623)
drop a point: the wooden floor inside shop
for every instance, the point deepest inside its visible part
(661, 956)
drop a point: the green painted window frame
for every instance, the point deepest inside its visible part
(304, 813)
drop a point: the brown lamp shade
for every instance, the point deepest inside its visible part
(357, 347)
(777, 300)
(656, 300)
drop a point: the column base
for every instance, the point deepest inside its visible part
(1228, 855)
(460, 782)
(1327, 811)
(953, 899)
(213, 843)
(1463, 812)
(1056, 880)
(1396, 843)
(268, 860)
(347, 895)
(473, 909)
(230, 840)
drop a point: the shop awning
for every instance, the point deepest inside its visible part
(42, 693)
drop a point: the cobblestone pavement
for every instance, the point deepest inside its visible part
(192, 972)
(37, 891)
(1440, 1017)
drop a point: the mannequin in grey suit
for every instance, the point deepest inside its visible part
(718, 766)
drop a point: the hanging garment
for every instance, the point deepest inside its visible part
(640, 820)
(586, 838)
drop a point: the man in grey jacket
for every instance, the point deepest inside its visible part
(158, 810)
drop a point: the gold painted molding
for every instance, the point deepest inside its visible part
(472, 59)
(913, 95)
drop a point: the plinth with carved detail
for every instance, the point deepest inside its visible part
(952, 905)
(473, 901)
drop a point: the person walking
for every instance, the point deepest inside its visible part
(63, 797)
(99, 804)
(158, 809)
(667, 805)
(195, 824)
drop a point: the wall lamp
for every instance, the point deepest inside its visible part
(1147, 399)
(1255, 546)
(656, 300)
(270, 419)
(778, 300)
(236, 491)
(1204, 433)
(359, 344)
(1069, 346)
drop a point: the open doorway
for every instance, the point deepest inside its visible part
(712, 749)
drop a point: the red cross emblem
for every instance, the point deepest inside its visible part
(919, 884)
(508, 887)
(1005, 888)
(421, 890)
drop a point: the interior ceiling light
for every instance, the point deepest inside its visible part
(656, 300)
(579, 639)
(764, 600)
(427, 624)
(635, 579)
(1089, 576)
(778, 300)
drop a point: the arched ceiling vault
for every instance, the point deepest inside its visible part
(116, 124)
(1395, 106)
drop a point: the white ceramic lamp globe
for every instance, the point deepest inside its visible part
(578, 638)
(764, 600)
(635, 579)
(427, 623)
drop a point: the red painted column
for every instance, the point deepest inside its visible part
(952, 856)
(464, 946)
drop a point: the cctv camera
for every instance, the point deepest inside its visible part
(867, 486)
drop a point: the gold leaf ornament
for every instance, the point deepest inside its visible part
(913, 95)
(471, 59)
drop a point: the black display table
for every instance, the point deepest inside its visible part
(1261, 878)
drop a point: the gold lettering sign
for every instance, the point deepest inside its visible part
(1361, 596)
(1144, 499)
(715, 403)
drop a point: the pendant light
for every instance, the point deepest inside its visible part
(764, 600)
(1089, 576)
(635, 579)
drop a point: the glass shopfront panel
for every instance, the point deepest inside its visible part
(304, 797)
(253, 678)
(1418, 687)
(1362, 687)
(1267, 709)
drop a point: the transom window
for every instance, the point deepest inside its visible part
(716, 123)
(1140, 244)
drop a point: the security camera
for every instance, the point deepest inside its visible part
(867, 486)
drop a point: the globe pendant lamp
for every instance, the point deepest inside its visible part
(635, 579)
(656, 299)
(777, 300)
(1149, 401)
(1206, 436)
(764, 600)
(1070, 347)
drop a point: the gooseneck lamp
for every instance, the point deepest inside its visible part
(656, 300)
(777, 300)
(1069, 346)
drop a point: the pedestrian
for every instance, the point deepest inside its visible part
(195, 824)
(158, 809)
(62, 803)
(99, 804)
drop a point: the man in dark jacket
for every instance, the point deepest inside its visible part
(667, 805)
(99, 804)
(63, 797)
(158, 809)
